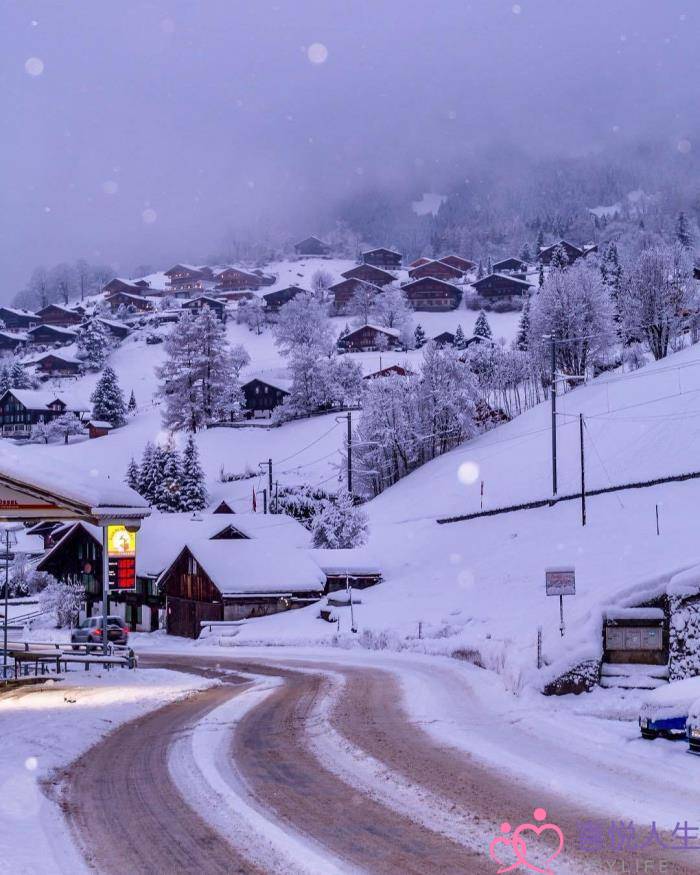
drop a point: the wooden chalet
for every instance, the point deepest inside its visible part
(456, 261)
(131, 287)
(57, 314)
(446, 338)
(76, 557)
(386, 259)
(262, 396)
(501, 285)
(98, 428)
(15, 319)
(438, 270)
(573, 253)
(50, 531)
(9, 342)
(418, 261)
(369, 274)
(202, 301)
(53, 364)
(511, 265)
(20, 409)
(235, 295)
(132, 303)
(235, 279)
(369, 338)
(344, 290)
(312, 246)
(275, 300)
(390, 371)
(217, 580)
(117, 330)
(51, 335)
(349, 566)
(430, 293)
(188, 278)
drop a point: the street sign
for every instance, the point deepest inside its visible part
(120, 542)
(121, 552)
(560, 581)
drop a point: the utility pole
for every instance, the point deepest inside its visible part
(553, 393)
(350, 452)
(583, 473)
(105, 587)
(276, 497)
(269, 478)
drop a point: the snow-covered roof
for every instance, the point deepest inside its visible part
(60, 307)
(99, 423)
(68, 530)
(64, 357)
(281, 528)
(356, 561)
(422, 280)
(283, 383)
(504, 276)
(18, 311)
(392, 331)
(37, 399)
(19, 336)
(163, 535)
(252, 568)
(57, 329)
(634, 614)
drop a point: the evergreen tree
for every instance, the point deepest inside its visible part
(340, 525)
(489, 266)
(193, 493)
(480, 270)
(525, 253)
(93, 343)
(107, 400)
(560, 260)
(482, 327)
(19, 379)
(133, 475)
(539, 243)
(684, 234)
(168, 493)
(540, 275)
(131, 406)
(419, 336)
(460, 339)
(5, 381)
(522, 339)
(148, 473)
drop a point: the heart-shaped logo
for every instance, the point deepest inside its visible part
(513, 859)
(517, 856)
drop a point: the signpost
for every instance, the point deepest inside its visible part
(118, 568)
(561, 582)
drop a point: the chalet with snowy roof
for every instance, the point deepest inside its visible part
(511, 266)
(501, 285)
(115, 329)
(198, 303)
(15, 319)
(263, 395)
(572, 252)
(312, 246)
(354, 567)
(57, 314)
(235, 295)
(344, 291)
(446, 338)
(430, 293)
(275, 300)
(456, 261)
(436, 269)
(20, 409)
(51, 335)
(98, 428)
(369, 338)
(131, 303)
(53, 364)
(390, 371)
(418, 261)
(235, 279)
(188, 277)
(131, 287)
(369, 274)
(386, 259)
(476, 339)
(9, 341)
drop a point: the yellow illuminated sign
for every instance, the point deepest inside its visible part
(120, 542)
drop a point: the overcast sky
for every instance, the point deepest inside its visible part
(146, 131)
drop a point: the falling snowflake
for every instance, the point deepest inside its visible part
(31, 764)
(149, 215)
(684, 146)
(34, 66)
(517, 9)
(468, 473)
(110, 186)
(317, 53)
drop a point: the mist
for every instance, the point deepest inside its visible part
(148, 132)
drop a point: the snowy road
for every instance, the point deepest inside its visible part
(320, 765)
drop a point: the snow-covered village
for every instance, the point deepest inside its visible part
(348, 464)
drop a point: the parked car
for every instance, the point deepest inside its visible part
(664, 711)
(693, 727)
(90, 631)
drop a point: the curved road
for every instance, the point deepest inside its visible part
(129, 816)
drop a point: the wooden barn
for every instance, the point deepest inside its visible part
(51, 335)
(275, 300)
(133, 303)
(312, 246)
(117, 330)
(235, 279)
(446, 338)
(10, 341)
(369, 274)
(57, 314)
(501, 285)
(462, 264)
(386, 259)
(436, 269)
(262, 396)
(15, 319)
(217, 580)
(390, 371)
(131, 287)
(197, 304)
(573, 253)
(344, 290)
(430, 293)
(511, 265)
(53, 364)
(20, 409)
(369, 338)
(354, 567)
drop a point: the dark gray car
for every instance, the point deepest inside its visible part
(90, 631)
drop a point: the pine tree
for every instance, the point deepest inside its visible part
(107, 400)
(193, 494)
(560, 260)
(684, 234)
(482, 327)
(148, 473)
(5, 381)
(340, 525)
(489, 266)
(133, 475)
(540, 275)
(539, 242)
(131, 406)
(522, 339)
(19, 379)
(525, 253)
(460, 339)
(480, 271)
(93, 343)
(168, 494)
(419, 336)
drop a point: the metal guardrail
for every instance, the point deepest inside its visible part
(48, 654)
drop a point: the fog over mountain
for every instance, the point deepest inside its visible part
(152, 131)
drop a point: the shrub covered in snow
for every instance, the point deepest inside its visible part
(63, 600)
(340, 524)
(684, 638)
